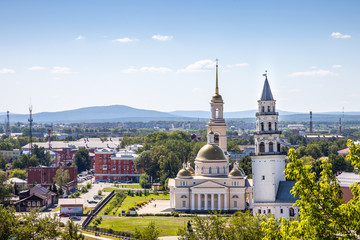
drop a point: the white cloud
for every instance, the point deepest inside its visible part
(318, 73)
(6, 71)
(36, 68)
(337, 66)
(80, 37)
(339, 35)
(162, 37)
(242, 64)
(61, 70)
(125, 40)
(147, 69)
(200, 66)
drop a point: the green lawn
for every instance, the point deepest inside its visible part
(134, 186)
(167, 225)
(131, 201)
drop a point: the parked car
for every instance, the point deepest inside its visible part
(92, 201)
(64, 215)
(97, 197)
(75, 218)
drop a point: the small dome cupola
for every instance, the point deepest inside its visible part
(189, 168)
(184, 173)
(236, 172)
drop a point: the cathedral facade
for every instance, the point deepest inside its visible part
(211, 186)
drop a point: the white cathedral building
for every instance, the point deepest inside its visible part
(212, 187)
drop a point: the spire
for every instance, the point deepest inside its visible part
(217, 81)
(266, 93)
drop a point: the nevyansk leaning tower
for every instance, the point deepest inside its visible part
(216, 122)
(271, 193)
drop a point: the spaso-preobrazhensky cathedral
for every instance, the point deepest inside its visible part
(211, 186)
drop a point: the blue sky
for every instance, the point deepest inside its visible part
(160, 55)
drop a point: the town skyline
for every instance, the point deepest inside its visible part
(58, 56)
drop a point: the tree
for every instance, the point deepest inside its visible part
(72, 232)
(232, 146)
(61, 178)
(215, 226)
(5, 188)
(246, 164)
(323, 215)
(144, 181)
(151, 232)
(2, 163)
(18, 173)
(82, 159)
(42, 155)
(145, 161)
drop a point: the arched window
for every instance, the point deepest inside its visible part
(270, 129)
(210, 170)
(278, 147)
(275, 127)
(235, 196)
(271, 147)
(262, 126)
(291, 212)
(262, 147)
(183, 196)
(217, 113)
(224, 169)
(273, 108)
(202, 170)
(38, 204)
(218, 170)
(262, 109)
(269, 109)
(216, 138)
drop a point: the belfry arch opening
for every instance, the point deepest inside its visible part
(262, 147)
(217, 139)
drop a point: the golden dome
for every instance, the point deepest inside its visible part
(190, 169)
(184, 173)
(235, 172)
(216, 97)
(211, 152)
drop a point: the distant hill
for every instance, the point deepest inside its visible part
(122, 113)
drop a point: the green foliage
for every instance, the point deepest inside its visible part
(82, 160)
(27, 226)
(42, 155)
(97, 221)
(99, 192)
(18, 173)
(151, 232)
(61, 178)
(115, 202)
(232, 146)
(246, 165)
(216, 226)
(5, 189)
(144, 181)
(72, 232)
(323, 215)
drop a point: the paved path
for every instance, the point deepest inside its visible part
(169, 238)
(156, 206)
(97, 237)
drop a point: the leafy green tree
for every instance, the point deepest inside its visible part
(18, 173)
(232, 146)
(150, 165)
(215, 226)
(5, 188)
(72, 232)
(42, 155)
(2, 163)
(323, 215)
(246, 164)
(151, 232)
(8, 222)
(144, 181)
(61, 178)
(82, 159)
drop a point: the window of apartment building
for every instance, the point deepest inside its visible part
(184, 204)
(281, 211)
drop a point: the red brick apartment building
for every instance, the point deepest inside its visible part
(111, 166)
(44, 176)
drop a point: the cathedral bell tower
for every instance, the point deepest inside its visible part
(217, 123)
(268, 164)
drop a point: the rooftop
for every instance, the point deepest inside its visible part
(347, 178)
(284, 194)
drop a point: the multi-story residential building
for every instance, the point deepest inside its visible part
(112, 166)
(11, 154)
